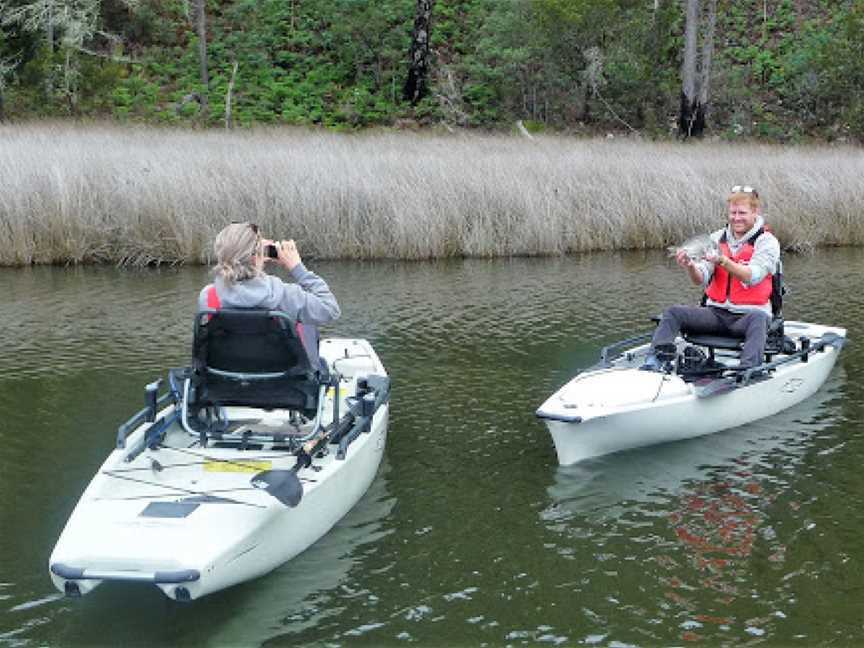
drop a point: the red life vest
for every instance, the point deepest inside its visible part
(723, 285)
(213, 300)
(215, 303)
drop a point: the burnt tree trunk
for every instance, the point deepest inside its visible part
(696, 69)
(418, 55)
(691, 116)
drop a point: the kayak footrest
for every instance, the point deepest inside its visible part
(157, 577)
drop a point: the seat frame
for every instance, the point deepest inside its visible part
(773, 344)
(251, 358)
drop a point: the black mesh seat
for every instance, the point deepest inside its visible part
(253, 358)
(773, 345)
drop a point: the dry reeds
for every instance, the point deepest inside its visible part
(81, 194)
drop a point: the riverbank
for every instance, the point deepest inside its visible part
(144, 196)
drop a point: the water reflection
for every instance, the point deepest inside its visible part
(703, 512)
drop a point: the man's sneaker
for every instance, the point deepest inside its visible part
(651, 363)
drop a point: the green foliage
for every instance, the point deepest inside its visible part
(826, 86)
(782, 70)
(134, 97)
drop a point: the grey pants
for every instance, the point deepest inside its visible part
(711, 320)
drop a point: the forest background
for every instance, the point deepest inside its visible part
(780, 70)
(135, 129)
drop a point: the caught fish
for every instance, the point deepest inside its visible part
(697, 248)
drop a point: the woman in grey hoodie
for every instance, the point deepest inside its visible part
(241, 282)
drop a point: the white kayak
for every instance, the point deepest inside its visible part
(617, 406)
(194, 500)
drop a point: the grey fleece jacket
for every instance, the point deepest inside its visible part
(309, 301)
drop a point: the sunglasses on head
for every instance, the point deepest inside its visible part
(745, 189)
(252, 226)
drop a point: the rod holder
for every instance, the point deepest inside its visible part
(805, 349)
(151, 391)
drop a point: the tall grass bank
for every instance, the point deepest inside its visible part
(92, 194)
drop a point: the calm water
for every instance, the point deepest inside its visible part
(471, 534)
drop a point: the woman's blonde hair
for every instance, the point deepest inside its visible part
(235, 247)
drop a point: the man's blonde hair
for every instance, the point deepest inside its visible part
(750, 197)
(235, 247)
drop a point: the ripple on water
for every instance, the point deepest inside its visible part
(60, 322)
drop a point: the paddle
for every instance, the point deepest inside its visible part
(284, 485)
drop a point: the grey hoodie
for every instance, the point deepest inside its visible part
(309, 301)
(766, 256)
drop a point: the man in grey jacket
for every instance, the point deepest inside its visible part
(241, 282)
(737, 283)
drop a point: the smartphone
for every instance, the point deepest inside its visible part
(271, 251)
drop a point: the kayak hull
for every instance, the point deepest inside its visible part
(620, 407)
(190, 521)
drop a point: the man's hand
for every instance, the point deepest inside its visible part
(683, 259)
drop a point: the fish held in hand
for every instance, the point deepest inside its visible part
(697, 248)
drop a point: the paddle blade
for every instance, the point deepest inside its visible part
(284, 485)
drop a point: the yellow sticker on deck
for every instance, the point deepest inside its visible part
(212, 465)
(331, 391)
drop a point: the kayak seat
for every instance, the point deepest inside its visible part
(776, 342)
(253, 358)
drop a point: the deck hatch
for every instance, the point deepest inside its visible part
(168, 509)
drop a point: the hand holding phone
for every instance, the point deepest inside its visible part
(290, 253)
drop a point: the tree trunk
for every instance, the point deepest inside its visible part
(201, 26)
(691, 120)
(49, 39)
(707, 53)
(418, 55)
(49, 28)
(228, 122)
(70, 83)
